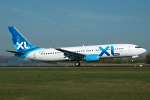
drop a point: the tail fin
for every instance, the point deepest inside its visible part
(20, 43)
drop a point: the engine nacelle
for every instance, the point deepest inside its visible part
(92, 57)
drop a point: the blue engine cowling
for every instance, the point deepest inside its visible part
(93, 57)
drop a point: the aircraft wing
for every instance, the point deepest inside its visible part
(71, 54)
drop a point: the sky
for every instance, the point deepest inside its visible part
(66, 23)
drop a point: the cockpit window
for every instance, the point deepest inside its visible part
(137, 46)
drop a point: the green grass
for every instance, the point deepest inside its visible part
(75, 84)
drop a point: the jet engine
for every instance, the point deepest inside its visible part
(92, 57)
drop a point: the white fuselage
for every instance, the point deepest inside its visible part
(88, 53)
(104, 51)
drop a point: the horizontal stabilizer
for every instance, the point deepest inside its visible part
(16, 52)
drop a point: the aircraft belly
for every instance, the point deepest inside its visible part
(52, 57)
(37, 56)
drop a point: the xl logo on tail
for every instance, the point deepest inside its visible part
(104, 51)
(22, 45)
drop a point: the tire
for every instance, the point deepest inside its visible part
(77, 64)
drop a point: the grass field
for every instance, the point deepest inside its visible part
(75, 84)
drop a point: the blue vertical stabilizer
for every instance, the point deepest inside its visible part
(20, 43)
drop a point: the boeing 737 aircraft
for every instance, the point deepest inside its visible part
(88, 53)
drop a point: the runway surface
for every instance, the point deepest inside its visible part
(74, 66)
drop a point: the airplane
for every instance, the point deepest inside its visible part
(90, 53)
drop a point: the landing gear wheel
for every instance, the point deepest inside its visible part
(132, 61)
(77, 64)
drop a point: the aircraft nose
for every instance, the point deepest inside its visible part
(143, 50)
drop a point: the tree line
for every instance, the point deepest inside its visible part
(15, 61)
(126, 60)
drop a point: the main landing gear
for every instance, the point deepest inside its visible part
(77, 63)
